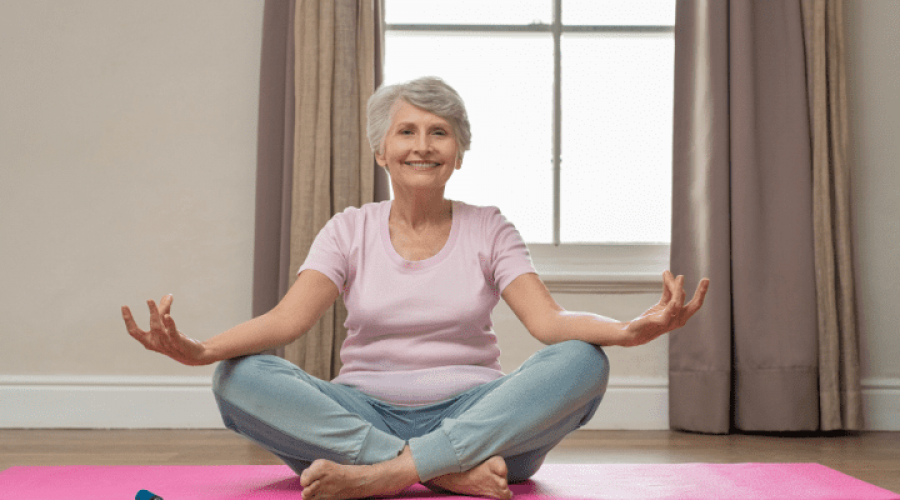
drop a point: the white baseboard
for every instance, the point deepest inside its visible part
(881, 404)
(129, 402)
(642, 403)
(633, 403)
(107, 402)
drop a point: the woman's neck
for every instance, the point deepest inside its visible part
(420, 214)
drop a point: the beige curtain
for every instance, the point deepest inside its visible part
(840, 401)
(321, 62)
(760, 205)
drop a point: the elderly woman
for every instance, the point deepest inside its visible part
(420, 397)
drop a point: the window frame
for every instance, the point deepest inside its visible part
(574, 267)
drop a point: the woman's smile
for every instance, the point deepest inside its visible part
(422, 164)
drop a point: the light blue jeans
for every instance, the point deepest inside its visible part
(520, 416)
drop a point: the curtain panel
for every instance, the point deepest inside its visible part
(321, 61)
(761, 207)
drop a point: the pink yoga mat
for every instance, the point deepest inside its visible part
(571, 482)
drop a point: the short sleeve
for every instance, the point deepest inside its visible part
(328, 252)
(509, 254)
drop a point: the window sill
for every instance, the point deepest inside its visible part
(618, 269)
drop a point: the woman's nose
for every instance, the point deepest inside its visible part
(423, 143)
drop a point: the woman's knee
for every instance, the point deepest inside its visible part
(233, 374)
(586, 362)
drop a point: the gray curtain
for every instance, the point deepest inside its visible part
(761, 207)
(321, 60)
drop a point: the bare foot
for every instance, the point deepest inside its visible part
(485, 480)
(326, 480)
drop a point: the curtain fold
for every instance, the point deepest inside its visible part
(839, 375)
(750, 177)
(321, 62)
(274, 161)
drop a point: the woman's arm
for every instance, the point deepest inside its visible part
(310, 296)
(548, 322)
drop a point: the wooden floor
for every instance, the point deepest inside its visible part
(872, 456)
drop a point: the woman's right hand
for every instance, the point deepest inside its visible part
(163, 337)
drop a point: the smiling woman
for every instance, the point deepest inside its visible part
(415, 128)
(430, 94)
(420, 276)
(419, 139)
(419, 142)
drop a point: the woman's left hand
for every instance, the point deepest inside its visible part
(669, 314)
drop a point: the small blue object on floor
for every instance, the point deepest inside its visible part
(146, 495)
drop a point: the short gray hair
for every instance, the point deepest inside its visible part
(429, 93)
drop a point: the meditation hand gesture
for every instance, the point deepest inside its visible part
(164, 337)
(667, 315)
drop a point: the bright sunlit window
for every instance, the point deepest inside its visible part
(587, 164)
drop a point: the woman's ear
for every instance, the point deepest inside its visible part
(379, 157)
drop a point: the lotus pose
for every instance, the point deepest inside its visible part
(420, 396)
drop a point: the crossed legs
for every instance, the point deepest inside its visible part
(344, 447)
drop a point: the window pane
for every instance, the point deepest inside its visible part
(622, 12)
(468, 12)
(616, 137)
(506, 81)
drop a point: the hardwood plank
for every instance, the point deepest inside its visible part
(873, 457)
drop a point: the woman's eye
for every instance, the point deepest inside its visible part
(440, 132)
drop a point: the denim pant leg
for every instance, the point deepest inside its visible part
(520, 416)
(298, 417)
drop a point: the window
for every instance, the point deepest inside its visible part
(570, 103)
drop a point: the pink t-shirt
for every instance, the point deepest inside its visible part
(419, 332)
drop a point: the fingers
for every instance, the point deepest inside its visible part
(170, 323)
(674, 293)
(129, 320)
(156, 339)
(172, 335)
(133, 330)
(667, 283)
(170, 332)
(155, 318)
(132, 327)
(163, 336)
(699, 295)
(676, 287)
(664, 318)
(165, 305)
(669, 311)
(679, 294)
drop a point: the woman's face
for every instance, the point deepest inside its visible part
(420, 149)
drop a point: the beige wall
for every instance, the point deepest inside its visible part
(128, 140)
(128, 150)
(874, 73)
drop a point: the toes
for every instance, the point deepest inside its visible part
(313, 473)
(306, 477)
(503, 488)
(309, 492)
(498, 466)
